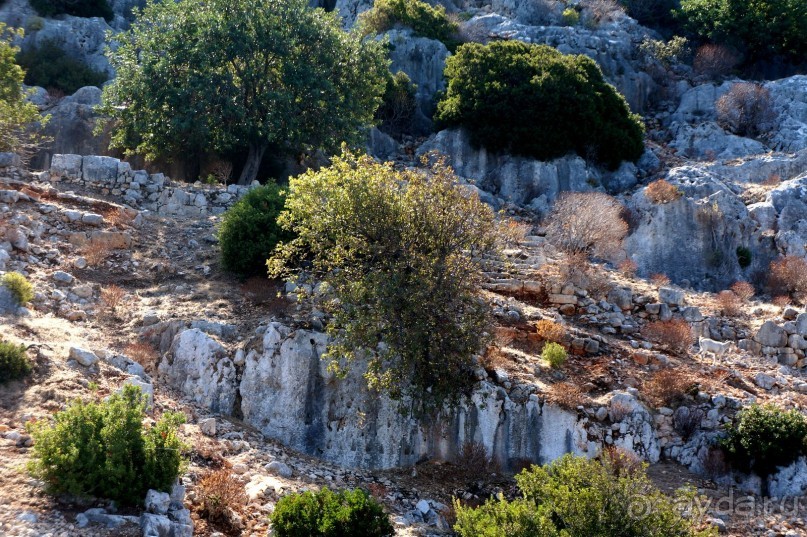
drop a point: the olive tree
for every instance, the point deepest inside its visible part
(241, 76)
(401, 252)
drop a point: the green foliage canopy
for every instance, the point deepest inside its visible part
(535, 101)
(399, 249)
(241, 75)
(759, 28)
(16, 114)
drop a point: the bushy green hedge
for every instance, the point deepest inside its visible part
(423, 19)
(50, 67)
(80, 8)
(766, 436)
(759, 28)
(248, 232)
(534, 101)
(578, 497)
(346, 513)
(14, 364)
(19, 286)
(102, 449)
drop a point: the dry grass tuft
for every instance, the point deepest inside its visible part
(550, 331)
(660, 280)
(628, 268)
(661, 191)
(112, 296)
(144, 354)
(221, 494)
(668, 387)
(566, 395)
(729, 303)
(744, 290)
(95, 253)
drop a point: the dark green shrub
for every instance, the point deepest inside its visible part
(248, 231)
(654, 13)
(102, 449)
(77, 8)
(759, 28)
(397, 110)
(14, 364)
(346, 513)
(534, 101)
(764, 437)
(423, 19)
(579, 497)
(744, 256)
(19, 286)
(50, 67)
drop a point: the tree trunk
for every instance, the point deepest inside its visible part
(252, 164)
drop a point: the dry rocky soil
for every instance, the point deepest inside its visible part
(101, 279)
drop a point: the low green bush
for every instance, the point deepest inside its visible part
(579, 497)
(102, 449)
(14, 363)
(19, 286)
(554, 354)
(80, 8)
(571, 17)
(50, 67)
(248, 231)
(397, 111)
(764, 437)
(533, 101)
(760, 29)
(425, 20)
(345, 513)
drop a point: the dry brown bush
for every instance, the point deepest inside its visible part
(628, 268)
(220, 493)
(495, 358)
(715, 60)
(512, 232)
(746, 110)
(729, 303)
(112, 296)
(566, 395)
(587, 223)
(744, 290)
(619, 411)
(550, 331)
(596, 12)
(659, 279)
(675, 334)
(577, 270)
(773, 180)
(782, 301)
(144, 354)
(662, 191)
(622, 461)
(668, 387)
(95, 252)
(474, 463)
(788, 275)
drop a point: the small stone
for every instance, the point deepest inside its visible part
(670, 296)
(766, 382)
(62, 277)
(83, 356)
(80, 263)
(279, 468)
(157, 502)
(423, 506)
(208, 426)
(240, 468)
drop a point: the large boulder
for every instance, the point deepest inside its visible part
(82, 39)
(790, 102)
(516, 179)
(200, 367)
(71, 128)
(288, 394)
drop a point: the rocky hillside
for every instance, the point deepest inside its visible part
(129, 290)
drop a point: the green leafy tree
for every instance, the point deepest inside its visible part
(17, 116)
(535, 101)
(580, 497)
(759, 28)
(400, 251)
(241, 76)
